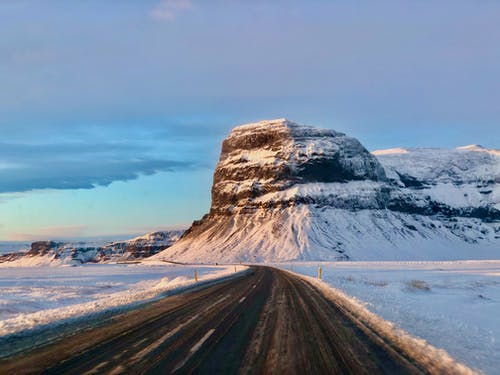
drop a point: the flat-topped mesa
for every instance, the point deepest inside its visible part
(285, 192)
(270, 156)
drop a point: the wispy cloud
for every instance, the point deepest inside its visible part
(167, 10)
(81, 165)
(52, 233)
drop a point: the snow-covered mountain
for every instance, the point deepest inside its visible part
(57, 252)
(284, 191)
(464, 181)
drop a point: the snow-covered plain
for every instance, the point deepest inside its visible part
(46, 295)
(453, 305)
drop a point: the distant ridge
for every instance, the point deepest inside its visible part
(79, 252)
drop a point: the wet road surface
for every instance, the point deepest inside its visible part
(266, 321)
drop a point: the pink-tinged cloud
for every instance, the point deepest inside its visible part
(168, 9)
(51, 233)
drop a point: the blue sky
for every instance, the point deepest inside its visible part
(112, 112)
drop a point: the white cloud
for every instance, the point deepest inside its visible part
(168, 9)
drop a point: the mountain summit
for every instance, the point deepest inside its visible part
(284, 191)
(270, 156)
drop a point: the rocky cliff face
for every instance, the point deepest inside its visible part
(284, 191)
(271, 156)
(143, 246)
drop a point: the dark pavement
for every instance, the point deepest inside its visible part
(267, 321)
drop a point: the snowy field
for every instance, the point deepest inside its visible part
(452, 305)
(40, 295)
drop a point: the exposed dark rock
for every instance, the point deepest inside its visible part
(43, 247)
(273, 155)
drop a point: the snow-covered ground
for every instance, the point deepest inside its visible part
(453, 305)
(34, 296)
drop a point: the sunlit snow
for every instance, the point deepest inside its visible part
(43, 295)
(452, 305)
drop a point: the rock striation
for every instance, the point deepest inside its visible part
(283, 191)
(272, 156)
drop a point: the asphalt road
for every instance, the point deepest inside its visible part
(267, 321)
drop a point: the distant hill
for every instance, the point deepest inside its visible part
(61, 252)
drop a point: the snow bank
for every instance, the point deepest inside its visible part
(423, 305)
(50, 295)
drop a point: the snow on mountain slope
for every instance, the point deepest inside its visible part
(144, 246)
(466, 177)
(326, 233)
(284, 191)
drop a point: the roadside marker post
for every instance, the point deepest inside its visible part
(234, 268)
(320, 272)
(196, 275)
